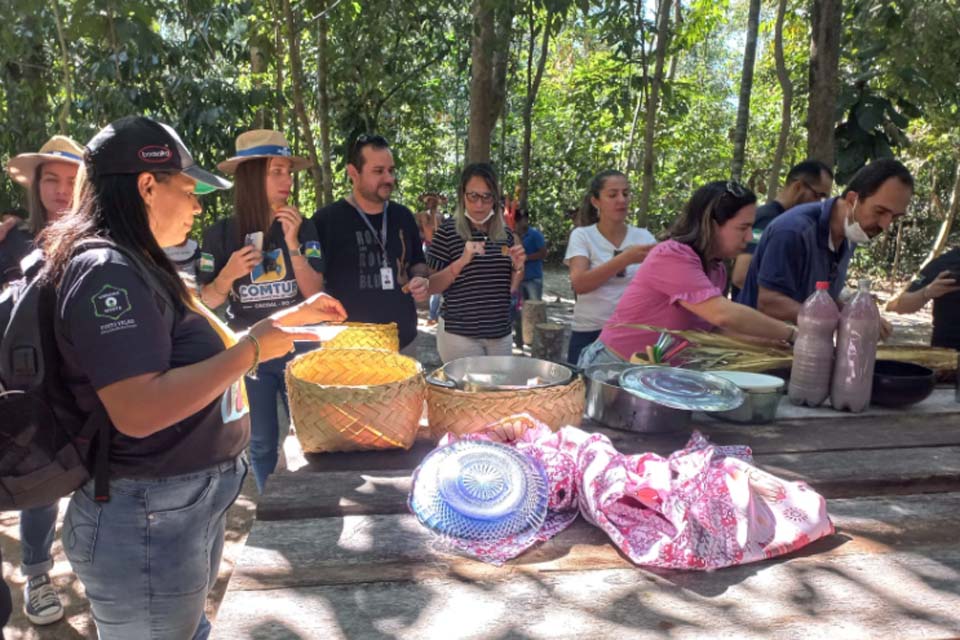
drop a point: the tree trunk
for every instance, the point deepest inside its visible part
(786, 88)
(941, 242)
(653, 100)
(258, 66)
(824, 60)
(296, 72)
(675, 56)
(63, 118)
(746, 87)
(641, 94)
(323, 106)
(897, 253)
(490, 50)
(533, 86)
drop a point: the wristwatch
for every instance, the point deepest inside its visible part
(295, 252)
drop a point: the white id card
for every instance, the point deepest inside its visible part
(386, 278)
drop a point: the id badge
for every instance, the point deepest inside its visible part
(386, 278)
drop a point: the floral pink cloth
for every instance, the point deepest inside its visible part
(704, 507)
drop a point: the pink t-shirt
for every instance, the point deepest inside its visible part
(671, 272)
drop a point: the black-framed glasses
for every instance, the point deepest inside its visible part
(735, 189)
(820, 195)
(476, 196)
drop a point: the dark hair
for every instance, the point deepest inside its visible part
(355, 157)
(588, 213)
(250, 203)
(485, 171)
(809, 169)
(39, 217)
(110, 207)
(713, 202)
(868, 180)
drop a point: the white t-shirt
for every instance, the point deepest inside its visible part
(593, 309)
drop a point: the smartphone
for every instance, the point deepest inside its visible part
(255, 240)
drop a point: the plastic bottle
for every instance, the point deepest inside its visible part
(813, 351)
(857, 340)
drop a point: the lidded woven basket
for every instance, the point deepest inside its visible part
(365, 335)
(355, 399)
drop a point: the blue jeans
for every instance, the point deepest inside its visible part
(264, 424)
(37, 527)
(435, 301)
(532, 289)
(6, 602)
(148, 557)
(579, 340)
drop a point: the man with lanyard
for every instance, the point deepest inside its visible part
(374, 262)
(815, 241)
(807, 181)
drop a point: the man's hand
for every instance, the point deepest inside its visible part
(943, 284)
(419, 288)
(886, 329)
(319, 307)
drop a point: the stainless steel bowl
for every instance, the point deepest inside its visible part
(500, 373)
(613, 407)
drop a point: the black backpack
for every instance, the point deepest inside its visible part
(46, 441)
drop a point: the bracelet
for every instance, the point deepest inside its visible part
(252, 371)
(923, 294)
(793, 335)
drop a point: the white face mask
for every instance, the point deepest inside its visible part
(479, 222)
(852, 229)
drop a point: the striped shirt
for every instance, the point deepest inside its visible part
(477, 304)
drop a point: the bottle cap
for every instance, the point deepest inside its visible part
(823, 285)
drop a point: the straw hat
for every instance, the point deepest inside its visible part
(262, 143)
(23, 167)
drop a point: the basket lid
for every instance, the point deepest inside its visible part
(481, 491)
(682, 388)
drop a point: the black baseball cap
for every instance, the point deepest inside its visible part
(135, 144)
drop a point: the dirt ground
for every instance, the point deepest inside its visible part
(77, 623)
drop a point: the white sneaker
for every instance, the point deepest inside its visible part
(40, 601)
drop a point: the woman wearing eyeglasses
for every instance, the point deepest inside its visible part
(680, 284)
(476, 266)
(603, 255)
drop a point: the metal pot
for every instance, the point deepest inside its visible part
(762, 395)
(500, 373)
(613, 407)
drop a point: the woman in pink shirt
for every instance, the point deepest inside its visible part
(680, 284)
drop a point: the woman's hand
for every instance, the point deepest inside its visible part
(943, 284)
(290, 220)
(315, 309)
(419, 288)
(241, 262)
(8, 223)
(518, 256)
(274, 340)
(637, 253)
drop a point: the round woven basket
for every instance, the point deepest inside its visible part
(366, 335)
(355, 399)
(460, 412)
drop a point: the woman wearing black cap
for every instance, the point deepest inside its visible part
(260, 260)
(169, 376)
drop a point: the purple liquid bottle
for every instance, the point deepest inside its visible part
(813, 352)
(857, 340)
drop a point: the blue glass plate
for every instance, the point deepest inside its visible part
(478, 490)
(682, 388)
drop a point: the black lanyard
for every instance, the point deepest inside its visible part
(382, 237)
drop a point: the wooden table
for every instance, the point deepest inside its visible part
(335, 554)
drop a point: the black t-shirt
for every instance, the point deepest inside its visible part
(110, 328)
(353, 259)
(765, 215)
(272, 285)
(13, 249)
(477, 304)
(946, 309)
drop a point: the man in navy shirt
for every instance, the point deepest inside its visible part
(535, 245)
(807, 181)
(814, 242)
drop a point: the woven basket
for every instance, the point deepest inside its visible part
(355, 399)
(460, 412)
(366, 335)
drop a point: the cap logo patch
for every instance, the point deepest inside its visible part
(155, 153)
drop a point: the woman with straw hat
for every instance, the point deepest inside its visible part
(260, 260)
(48, 176)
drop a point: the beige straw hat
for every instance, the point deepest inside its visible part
(262, 143)
(23, 167)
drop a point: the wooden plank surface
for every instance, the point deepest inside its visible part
(358, 549)
(306, 494)
(842, 432)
